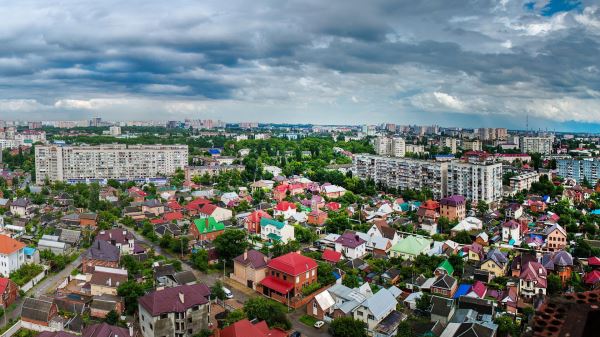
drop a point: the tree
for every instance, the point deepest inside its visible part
(405, 330)
(443, 224)
(325, 273)
(463, 237)
(199, 260)
(424, 302)
(507, 326)
(230, 244)
(554, 284)
(131, 291)
(112, 317)
(234, 316)
(482, 207)
(217, 290)
(347, 327)
(351, 279)
(263, 309)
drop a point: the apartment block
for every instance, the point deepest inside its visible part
(390, 146)
(579, 169)
(476, 180)
(523, 181)
(541, 145)
(403, 173)
(115, 161)
(472, 145)
(451, 143)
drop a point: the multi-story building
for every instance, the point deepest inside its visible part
(12, 255)
(523, 181)
(579, 169)
(451, 143)
(390, 146)
(115, 161)
(541, 145)
(472, 145)
(115, 130)
(181, 311)
(287, 275)
(453, 207)
(403, 173)
(476, 180)
(414, 148)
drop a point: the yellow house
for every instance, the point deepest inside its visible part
(496, 263)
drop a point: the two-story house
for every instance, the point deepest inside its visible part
(12, 255)
(556, 237)
(120, 238)
(533, 280)
(250, 268)
(285, 209)
(351, 245)
(287, 275)
(276, 231)
(375, 309)
(206, 229)
(511, 231)
(496, 263)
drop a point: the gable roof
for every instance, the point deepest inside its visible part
(444, 281)
(9, 245)
(331, 255)
(102, 250)
(292, 263)
(447, 266)
(176, 299)
(36, 309)
(350, 239)
(264, 221)
(441, 306)
(105, 330)
(534, 271)
(412, 245)
(380, 303)
(245, 328)
(208, 225)
(253, 258)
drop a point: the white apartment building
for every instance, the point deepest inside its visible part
(475, 181)
(115, 130)
(541, 145)
(403, 173)
(523, 181)
(451, 143)
(115, 161)
(472, 145)
(413, 148)
(390, 146)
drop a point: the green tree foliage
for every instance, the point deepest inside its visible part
(199, 260)
(217, 290)
(267, 310)
(234, 316)
(463, 237)
(131, 291)
(230, 244)
(347, 327)
(405, 330)
(424, 302)
(325, 273)
(112, 317)
(554, 284)
(351, 280)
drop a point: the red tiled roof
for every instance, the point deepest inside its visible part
(174, 205)
(334, 206)
(331, 255)
(3, 284)
(276, 284)
(138, 191)
(245, 328)
(207, 209)
(173, 216)
(430, 205)
(257, 215)
(592, 277)
(594, 261)
(196, 204)
(479, 288)
(292, 264)
(285, 205)
(9, 245)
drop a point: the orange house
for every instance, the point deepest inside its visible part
(556, 237)
(287, 275)
(317, 217)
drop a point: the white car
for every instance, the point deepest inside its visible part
(319, 324)
(228, 293)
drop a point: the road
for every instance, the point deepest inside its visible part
(47, 285)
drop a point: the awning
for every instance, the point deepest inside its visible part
(276, 284)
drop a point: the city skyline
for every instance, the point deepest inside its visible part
(480, 64)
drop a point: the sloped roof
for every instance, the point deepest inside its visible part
(447, 266)
(350, 239)
(331, 255)
(169, 299)
(292, 263)
(9, 245)
(36, 309)
(380, 303)
(105, 330)
(208, 225)
(412, 245)
(252, 257)
(325, 300)
(444, 281)
(264, 221)
(102, 250)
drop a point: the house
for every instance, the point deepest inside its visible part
(317, 217)
(391, 276)
(12, 255)
(428, 211)
(410, 247)
(120, 238)
(102, 304)
(106, 280)
(21, 208)
(442, 309)
(249, 268)
(276, 231)
(519, 261)
(167, 228)
(346, 299)
(281, 192)
(333, 191)
(556, 237)
(444, 268)
(592, 279)
(265, 185)
(193, 207)
(219, 213)
(380, 228)
(230, 198)
(245, 328)
(8, 292)
(375, 308)
(444, 285)
(153, 206)
(511, 232)
(321, 306)
(468, 224)
(351, 245)
(106, 330)
(532, 280)
(466, 329)
(285, 209)
(287, 275)
(176, 311)
(559, 263)
(478, 290)
(331, 256)
(496, 263)
(253, 221)
(52, 243)
(101, 253)
(137, 194)
(206, 229)
(376, 245)
(513, 210)
(39, 314)
(453, 207)
(474, 252)
(88, 220)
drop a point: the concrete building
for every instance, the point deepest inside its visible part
(12, 256)
(472, 145)
(523, 181)
(541, 145)
(181, 311)
(475, 181)
(579, 169)
(403, 173)
(115, 130)
(115, 161)
(451, 143)
(390, 146)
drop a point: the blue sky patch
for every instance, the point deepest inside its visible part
(556, 6)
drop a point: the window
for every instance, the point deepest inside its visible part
(307, 274)
(314, 272)
(360, 313)
(195, 308)
(151, 327)
(163, 316)
(371, 317)
(297, 279)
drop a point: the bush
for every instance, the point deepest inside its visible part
(26, 273)
(311, 288)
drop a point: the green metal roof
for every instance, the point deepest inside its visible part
(447, 266)
(270, 222)
(274, 237)
(412, 245)
(213, 225)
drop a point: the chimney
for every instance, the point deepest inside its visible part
(181, 297)
(130, 326)
(110, 235)
(245, 255)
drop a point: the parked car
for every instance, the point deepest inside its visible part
(319, 324)
(228, 293)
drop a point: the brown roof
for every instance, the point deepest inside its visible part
(105, 330)
(36, 309)
(253, 257)
(107, 279)
(176, 299)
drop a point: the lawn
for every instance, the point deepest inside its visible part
(308, 320)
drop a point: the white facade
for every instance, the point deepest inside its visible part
(541, 145)
(11, 262)
(475, 181)
(285, 232)
(115, 130)
(390, 146)
(65, 163)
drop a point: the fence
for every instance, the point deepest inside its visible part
(27, 286)
(12, 330)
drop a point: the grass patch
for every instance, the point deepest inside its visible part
(308, 320)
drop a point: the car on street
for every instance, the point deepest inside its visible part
(319, 324)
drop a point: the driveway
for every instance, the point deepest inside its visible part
(306, 330)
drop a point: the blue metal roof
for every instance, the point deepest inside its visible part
(463, 289)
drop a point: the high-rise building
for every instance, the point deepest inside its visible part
(116, 161)
(579, 169)
(523, 181)
(451, 143)
(472, 145)
(476, 180)
(541, 145)
(389, 146)
(115, 130)
(403, 173)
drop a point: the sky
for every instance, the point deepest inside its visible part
(449, 62)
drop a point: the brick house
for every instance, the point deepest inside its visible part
(287, 275)
(102, 254)
(88, 220)
(317, 217)
(250, 268)
(559, 263)
(8, 292)
(206, 229)
(445, 285)
(253, 221)
(556, 237)
(38, 312)
(453, 207)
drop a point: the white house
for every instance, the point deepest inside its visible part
(229, 197)
(511, 230)
(351, 245)
(285, 208)
(21, 207)
(375, 308)
(12, 255)
(276, 231)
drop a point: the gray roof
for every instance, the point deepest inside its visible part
(381, 303)
(70, 236)
(444, 281)
(441, 306)
(102, 250)
(185, 277)
(36, 309)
